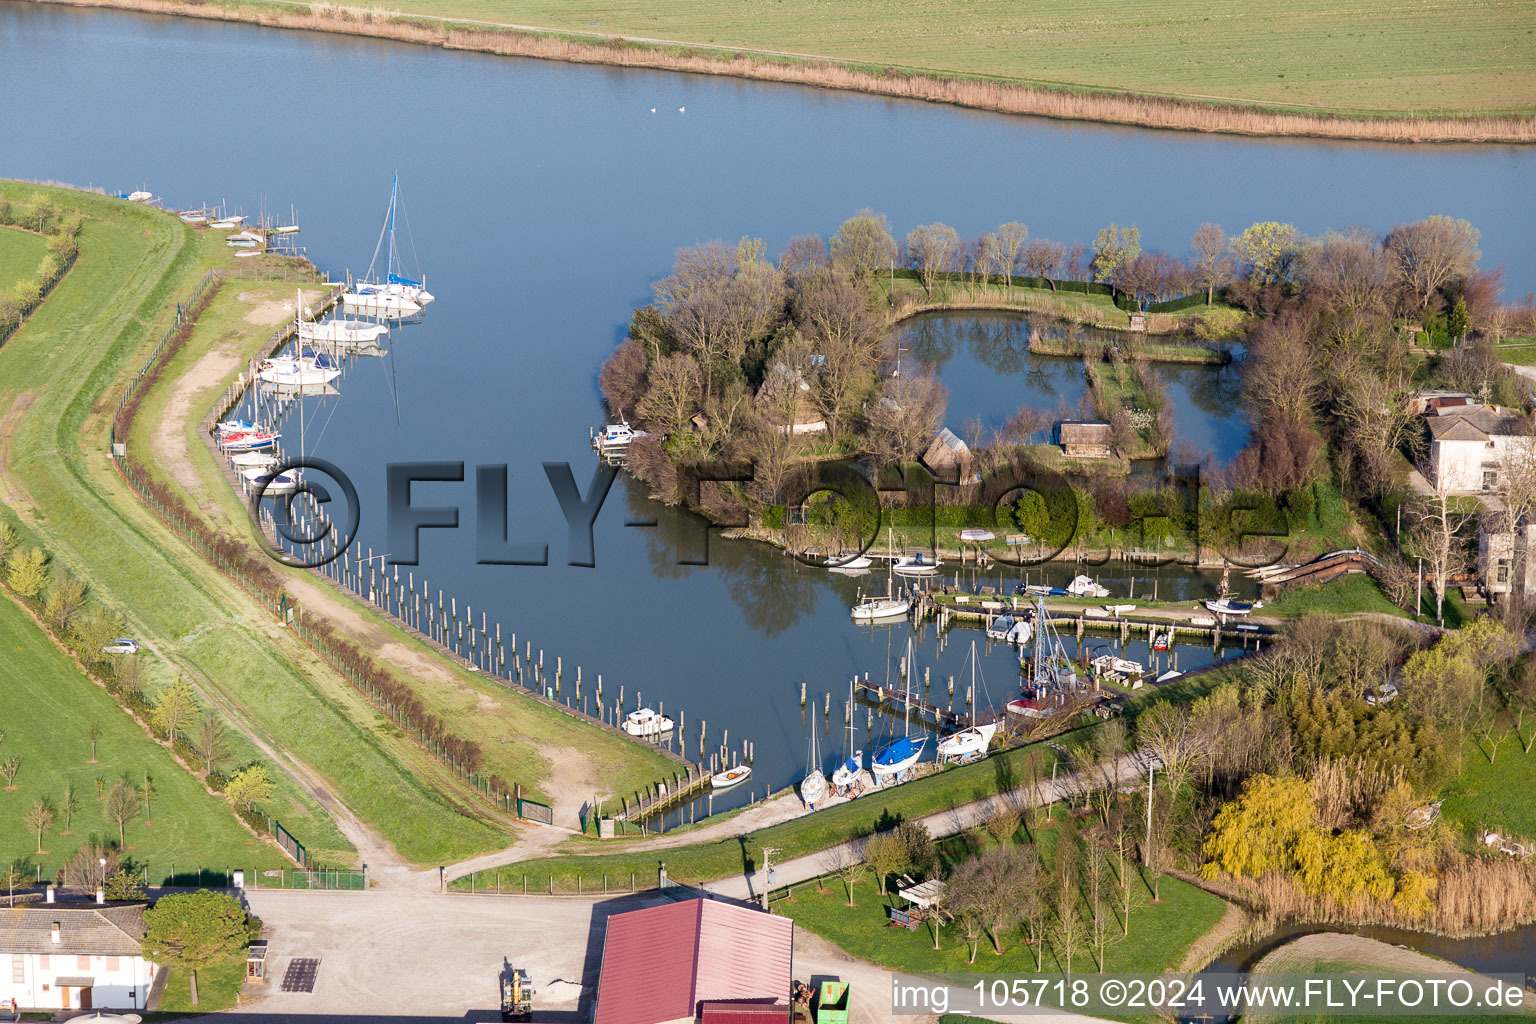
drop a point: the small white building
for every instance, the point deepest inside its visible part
(1468, 445)
(74, 956)
(1496, 564)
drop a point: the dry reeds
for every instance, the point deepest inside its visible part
(1004, 97)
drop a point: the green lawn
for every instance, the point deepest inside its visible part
(1344, 596)
(1496, 794)
(1372, 56)
(20, 254)
(1520, 351)
(218, 987)
(46, 705)
(1160, 933)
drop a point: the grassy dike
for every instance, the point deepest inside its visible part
(59, 376)
(513, 730)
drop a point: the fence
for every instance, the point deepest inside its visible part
(286, 840)
(43, 289)
(534, 811)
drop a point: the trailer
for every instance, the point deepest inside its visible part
(832, 1003)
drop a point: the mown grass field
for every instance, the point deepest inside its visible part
(1495, 794)
(1374, 56)
(61, 488)
(46, 706)
(510, 727)
(1160, 933)
(20, 253)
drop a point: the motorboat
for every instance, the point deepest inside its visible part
(272, 485)
(917, 565)
(254, 440)
(1161, 641)
(1040, 590)
(848, 563)
(1227, 606)
(342, 331)
(614, 439)
(967, 742)
(1117, 667)
(226, 427)
(1009, 630)
(898, 757)
(313, 370)
(880, 607)
(1082, 586)
(646, 722)
(731, 777)
(252, 460)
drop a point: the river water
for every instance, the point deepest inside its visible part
(543, 199)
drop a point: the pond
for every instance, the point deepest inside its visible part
(985, 361)
(542, 201)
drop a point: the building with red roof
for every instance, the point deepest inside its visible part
(700, 960)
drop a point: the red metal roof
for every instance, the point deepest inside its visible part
(660, 963)
(739, 1012)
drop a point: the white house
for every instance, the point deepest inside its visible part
(74, 956)
(1497, 566)
(1468, 445)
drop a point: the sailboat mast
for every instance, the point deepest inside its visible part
(393, 193)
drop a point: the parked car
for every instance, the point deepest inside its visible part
(1385, 694)
(122, 645)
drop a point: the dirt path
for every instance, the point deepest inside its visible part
(11, 494)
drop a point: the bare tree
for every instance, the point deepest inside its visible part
(122, 807)
(846, 861)
(1435, 527)
(1168, 731)
(622, 378)
(1043, 258)
(801, 255)
(208, 740)
(864, 244)
(674, 389)
(1431, 253)
(1003, 249)
(931, 250)
(38, 818)
(904, 416)
(1210, 259)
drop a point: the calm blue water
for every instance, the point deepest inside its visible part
(543, 199)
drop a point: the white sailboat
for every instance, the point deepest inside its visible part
(897, 757)
(917, 565)
(269, 484)
(813, 788)
(847, 774)
(877, 606)
(973, 741)
(396, 296)
(341, 331)
(847, 563)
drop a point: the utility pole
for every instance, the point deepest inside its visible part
(1146, 849)
(768, 852)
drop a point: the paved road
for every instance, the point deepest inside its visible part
(1131, 767)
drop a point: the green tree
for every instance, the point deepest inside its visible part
(885, 854)
(27, 573)
(1270, 250)
(9, 769)
(1258, 831)
(249, 786)
(175, 706)
(65, 596)
(38, 818)
(122, 885)
(208, 740)
(7, 541)
(1458, 320)
(864, 244)
(194, 930)
(1113, 249)
(93, 734)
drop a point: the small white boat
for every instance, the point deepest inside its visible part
(1095, 613)
(967, 742)
(286, 229)
(245, 254)
(1227, 606)
(252, 460)
(249, 442)
(1117, 667)
(390, 305)
(813, 788)
(300, 372)
(731, 777)
(1202, 620)
(140, 196)
(615, 438)
(976, 536)
(847, 773)
(646, 722)
(1169, 676)
(848, 563)
(1423, 817)
(1009, 630)
(342, 331)
(1082, 586)
(917, 565)
(271, 485)
(897, 757)
(192, 217)
(880, 607)
(227, 427)
(244, 240)
(227, 223)
(1119, 609)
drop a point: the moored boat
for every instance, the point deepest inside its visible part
(270, 484)
(848, 563)
(313, 370)
(646, 722)
(730, 777)
(250, 460)
(917, 565)
(249, 441)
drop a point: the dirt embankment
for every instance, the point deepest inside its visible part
(809, 69)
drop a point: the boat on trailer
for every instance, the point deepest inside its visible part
(1227, 606)
(967, 743)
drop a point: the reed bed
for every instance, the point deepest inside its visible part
(1002, 96)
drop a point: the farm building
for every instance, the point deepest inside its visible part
(951, 459)
(698, 960)
(1084, 440)
(1496, 564)
(74, 956)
